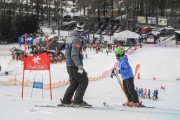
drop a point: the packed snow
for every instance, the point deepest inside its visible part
(160, 66)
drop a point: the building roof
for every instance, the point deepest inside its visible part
(125, 35)
(177, 31)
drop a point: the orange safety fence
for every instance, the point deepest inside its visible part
(105, 74)
(29, 83)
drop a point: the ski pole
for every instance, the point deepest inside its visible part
(119, 81)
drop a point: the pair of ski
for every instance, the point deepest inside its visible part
(106, 107)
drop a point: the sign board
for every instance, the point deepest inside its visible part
(152, 20)
(38, 85)
(22, 38)
(141, 19)
(162, 21)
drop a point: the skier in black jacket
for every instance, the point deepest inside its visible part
(77, 75)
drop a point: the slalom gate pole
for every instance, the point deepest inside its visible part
(22, 95)
(50, 84)
(137, 69)
(121, 85)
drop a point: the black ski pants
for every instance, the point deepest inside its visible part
(130, 91)
(78, 85)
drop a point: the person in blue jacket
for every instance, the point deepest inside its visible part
(128, 77)
(139, 91)
(154, 95)
(149, 93)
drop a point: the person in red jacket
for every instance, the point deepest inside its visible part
(145, 93)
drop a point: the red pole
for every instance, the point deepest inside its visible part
(22, 85)
(47, 43)
(138, 75)
(137, 68)
(23, 66)
(50, 84)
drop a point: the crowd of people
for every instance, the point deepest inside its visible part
(147, 93)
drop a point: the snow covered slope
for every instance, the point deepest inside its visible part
(156, 62)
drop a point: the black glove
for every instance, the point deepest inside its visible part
(112, 73)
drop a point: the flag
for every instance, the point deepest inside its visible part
(137, 68)
(37, 62)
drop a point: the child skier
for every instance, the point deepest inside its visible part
(128, 78)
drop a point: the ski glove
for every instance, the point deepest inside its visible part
(80, 69)
(112, 73)
(115, 72)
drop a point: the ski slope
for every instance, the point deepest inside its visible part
(162, 63)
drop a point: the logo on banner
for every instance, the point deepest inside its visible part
(38, 62)
(36, 59)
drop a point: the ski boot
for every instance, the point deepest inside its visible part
(128, 104)
(65, 104)
(82, 104)
(131, 104)
(138, 104)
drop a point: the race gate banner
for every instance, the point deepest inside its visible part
(38, 85)
(37, 62)
(29, 39)
(162, 21)
(152, 20)
(141, 19)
